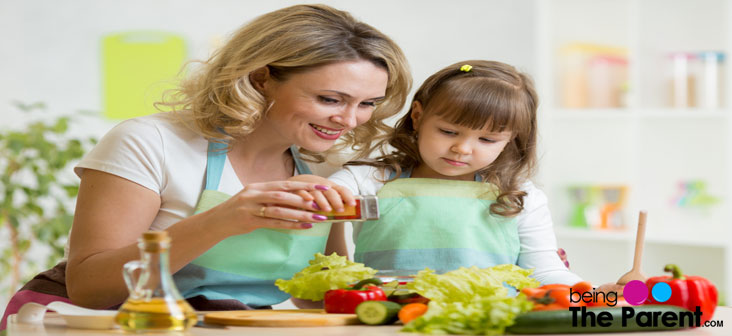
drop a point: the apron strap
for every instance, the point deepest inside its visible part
(216, 158)
(408, 172)
(301, 166)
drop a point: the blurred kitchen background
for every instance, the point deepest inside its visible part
(635, 104)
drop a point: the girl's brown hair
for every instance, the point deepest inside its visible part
(220, 97)
(490, 94)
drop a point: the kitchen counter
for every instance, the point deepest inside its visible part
(55, 325)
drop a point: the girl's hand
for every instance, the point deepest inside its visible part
(563, 255)
(269, 205)
(335, 198)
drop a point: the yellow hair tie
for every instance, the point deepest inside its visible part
(466, 68)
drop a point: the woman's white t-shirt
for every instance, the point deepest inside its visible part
(162, 154)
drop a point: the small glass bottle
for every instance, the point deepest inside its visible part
(683, 82)
(154, 303)
(710, 86)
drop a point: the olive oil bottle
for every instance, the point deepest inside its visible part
(154, 303)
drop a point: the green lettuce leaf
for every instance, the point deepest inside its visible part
(471, 300)
(323, 274)
(465, 284)
(484, 316)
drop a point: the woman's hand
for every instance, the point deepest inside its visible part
(269, 205)
(335, 198)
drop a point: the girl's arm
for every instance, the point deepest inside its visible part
(538, 242)
(113, 212)
(337, 240)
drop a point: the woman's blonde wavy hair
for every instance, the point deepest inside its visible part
(490, 94)
(296, 39)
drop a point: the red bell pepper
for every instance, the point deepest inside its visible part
(344, 301)
(687, 292)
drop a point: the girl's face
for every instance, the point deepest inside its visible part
(452, 151)
(313, 109)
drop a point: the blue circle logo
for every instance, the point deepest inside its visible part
(661, 292)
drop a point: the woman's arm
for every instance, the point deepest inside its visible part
(112, 213)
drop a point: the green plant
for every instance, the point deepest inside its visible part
(37, 199)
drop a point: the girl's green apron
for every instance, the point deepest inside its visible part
(435, 223)
(244, 267)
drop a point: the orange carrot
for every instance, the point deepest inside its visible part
(582, 286)
(531, 291)
(412, 311)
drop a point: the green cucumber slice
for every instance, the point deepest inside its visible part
(378, 312)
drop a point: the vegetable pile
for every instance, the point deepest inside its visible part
(345, 300)
(463, 301)
(323, 274)
(480, 301)
(471, 300)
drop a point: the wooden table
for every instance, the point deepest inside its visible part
(55, 325)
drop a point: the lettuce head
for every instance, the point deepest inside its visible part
(323, 274)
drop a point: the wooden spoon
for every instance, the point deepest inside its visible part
(635, 272)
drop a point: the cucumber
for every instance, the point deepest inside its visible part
(407, 298)
(560, 321)
(378, 312)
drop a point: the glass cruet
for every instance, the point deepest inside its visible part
(154, 303)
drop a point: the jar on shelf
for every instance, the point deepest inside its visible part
(682, 81)
(710, 70)
(593, 76)
(607, 77)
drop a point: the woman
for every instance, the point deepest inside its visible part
(300, 77)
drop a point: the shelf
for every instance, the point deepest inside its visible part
(686, 241)
(607, 235)
(647, 144)
(690, 113)
(589, 114)
(651, 238)
(631, 113)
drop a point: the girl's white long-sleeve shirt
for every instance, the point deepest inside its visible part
(535, 227)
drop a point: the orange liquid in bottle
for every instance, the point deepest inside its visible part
(156, 314)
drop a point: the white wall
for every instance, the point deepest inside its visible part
(50, 50)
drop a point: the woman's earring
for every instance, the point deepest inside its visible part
(269, 107)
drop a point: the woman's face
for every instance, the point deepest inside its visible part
(313, 109)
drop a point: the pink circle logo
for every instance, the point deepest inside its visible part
(635, 292)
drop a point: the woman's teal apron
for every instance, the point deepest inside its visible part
(435, 223)
(244, 267)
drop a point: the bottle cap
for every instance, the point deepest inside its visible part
(154, 241)
(155, 236)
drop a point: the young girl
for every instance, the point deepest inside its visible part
(455, 191)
